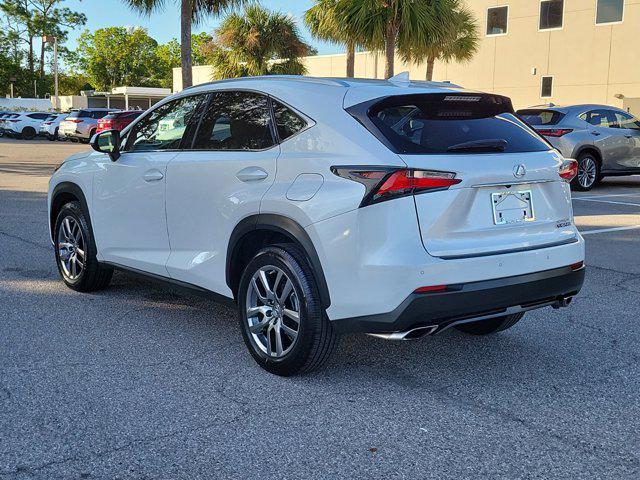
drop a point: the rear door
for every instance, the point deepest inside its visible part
(630, 129)
(510, 196)
(217, 183)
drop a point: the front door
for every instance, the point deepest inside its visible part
(128, 208)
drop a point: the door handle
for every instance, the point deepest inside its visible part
(153, 175)
(628, 136)
(251, 174)
(595, 133)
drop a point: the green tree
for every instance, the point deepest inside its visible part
(324, 24)
(117, 56)
(394, 25)
(459, 41)
(191, 11)
(26, 21)
(258, 42)
(170, 52)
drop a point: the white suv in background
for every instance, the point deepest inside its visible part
(320, 206)
(25, 125)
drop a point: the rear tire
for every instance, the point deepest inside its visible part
(588, 172)
(305, 344)
(492, 325)
(75, 251)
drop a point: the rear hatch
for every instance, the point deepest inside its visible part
(510, 196)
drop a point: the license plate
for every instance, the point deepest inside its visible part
(511, 207)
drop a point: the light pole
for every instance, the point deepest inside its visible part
(53, 39)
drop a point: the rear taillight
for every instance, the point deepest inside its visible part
(554, 132)
(74, 120)
(568, 169)
(383, 183)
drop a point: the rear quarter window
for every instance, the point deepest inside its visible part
(450, 124)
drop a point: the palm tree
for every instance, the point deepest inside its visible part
(460, 40)
(325, 25)
(397, 25)
(258, 42)
(191, 11)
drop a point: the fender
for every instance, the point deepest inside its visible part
(582, 148)
(76, 191)
(284, 226)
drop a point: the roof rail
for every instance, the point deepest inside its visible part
(296, 78)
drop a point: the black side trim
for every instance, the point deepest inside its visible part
(287, 227)
(472, 300)
(176, 285)
(76, 191)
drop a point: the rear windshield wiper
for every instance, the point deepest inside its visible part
(489, 145)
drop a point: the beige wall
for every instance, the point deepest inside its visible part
(67, 102)
(590, 63)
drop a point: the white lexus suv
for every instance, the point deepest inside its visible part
(320, 206)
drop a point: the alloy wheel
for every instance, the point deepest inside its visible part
(71, 248)
(587, 172)
(273, 311)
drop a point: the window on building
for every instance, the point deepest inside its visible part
(547, 87)
(551, 12)
(497, 20)
(609, 11)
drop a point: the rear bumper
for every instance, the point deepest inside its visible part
(473, 301)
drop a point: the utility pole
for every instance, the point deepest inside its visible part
(53, 39)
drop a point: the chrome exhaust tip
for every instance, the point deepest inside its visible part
(411, 334)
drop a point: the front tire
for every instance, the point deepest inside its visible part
(588, 173)
(281, 317)
(492, 325)
(75, 251)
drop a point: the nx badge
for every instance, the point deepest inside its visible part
(519, 171)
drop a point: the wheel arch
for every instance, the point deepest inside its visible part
(589, 148)
(255, 227)
(63, 193)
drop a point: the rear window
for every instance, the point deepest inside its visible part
(540, 117)
(79, 114)
(123, 115)
(452, 123)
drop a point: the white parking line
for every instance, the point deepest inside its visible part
(607, 201)
(610, 195)
(606, 230)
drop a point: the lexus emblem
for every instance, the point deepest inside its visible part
(519, 171)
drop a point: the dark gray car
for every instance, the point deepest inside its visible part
(604, 140)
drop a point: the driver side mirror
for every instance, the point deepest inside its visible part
(107, 142)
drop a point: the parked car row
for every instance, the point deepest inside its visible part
(77, 125)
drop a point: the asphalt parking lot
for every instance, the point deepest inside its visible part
(140, 382)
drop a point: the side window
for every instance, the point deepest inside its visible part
(38, 116)
(97, 115)
(235, 121)
(164, 127)
(600, 118)
(624, 120)
(288, 123)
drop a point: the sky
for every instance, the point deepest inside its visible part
(165, 25)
